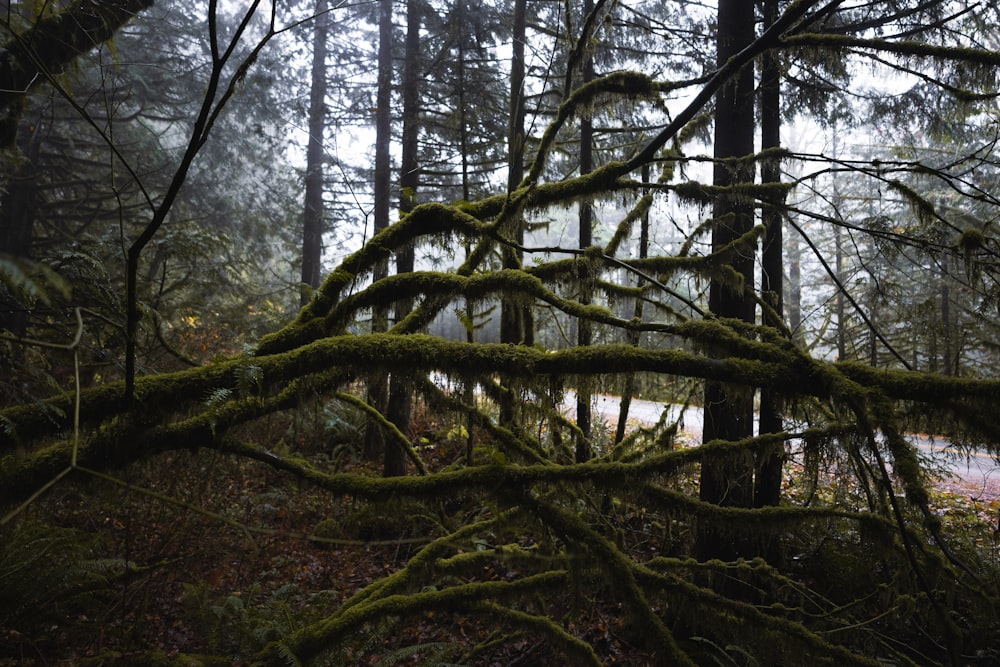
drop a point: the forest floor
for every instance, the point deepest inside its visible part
(195, 586)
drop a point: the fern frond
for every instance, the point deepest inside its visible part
(218, 396)
(30, 279)
(288, 656)
(437, 652)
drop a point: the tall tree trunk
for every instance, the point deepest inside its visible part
(378, 390)
(469, 392)
(515, 131)
(312, 219)
(838, 262)
(634, 337)
(18, 208)
(947, 331)
(838, 299)
(383, 136)
(401, 393)
(770, 461)
(586, 221)
(515, 318)
(728, 408)
(794, 305)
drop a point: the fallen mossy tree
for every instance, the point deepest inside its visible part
(499, 544)
(559, 518)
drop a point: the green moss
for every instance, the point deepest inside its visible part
(635, 214)
(21, 475)
(971, 240)
(902, 47)
(310, 642)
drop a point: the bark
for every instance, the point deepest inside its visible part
(378, 390)
(634, 337)
(401, 392)
(515, 320)
(18, 208)
(312, 219)
(383, 134)
(470, 304)
(838, 263)
(515, 136)
(948, 354)
(794, 287)
(767, 485)
(586, 223)
(729, 407)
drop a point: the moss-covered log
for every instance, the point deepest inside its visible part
(112, 437)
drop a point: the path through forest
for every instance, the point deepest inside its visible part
(975, 473)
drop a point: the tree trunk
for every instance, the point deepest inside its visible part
(767, 486)
(794, 305)
(634, 337)
(17, 223)
(947, 338)
(838, 264)
(586, 222)
(469, 392)
(378, 390)
(729, 408)
(312, 219)
(401, 394)
(515, 319)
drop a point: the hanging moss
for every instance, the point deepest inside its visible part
(635, 214)
(631, 85)
(902, 47)
(767, 365)
(971, 240)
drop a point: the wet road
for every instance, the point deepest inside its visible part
(974, 470)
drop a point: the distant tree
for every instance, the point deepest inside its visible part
(104, 150)
(516, 322)
(312, 217)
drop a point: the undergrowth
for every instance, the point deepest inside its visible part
(103, 574)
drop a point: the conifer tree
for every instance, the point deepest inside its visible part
(312, 218)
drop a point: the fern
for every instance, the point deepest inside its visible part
(30, 279)
(249, 379)
(45, 572)
(7, 428)
(723, 656)
(437, 653)
(218, 396)
(288, 656)
(214, 402)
